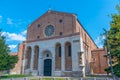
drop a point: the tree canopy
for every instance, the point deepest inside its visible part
(3, 47)
(114, 42)
(7, 61)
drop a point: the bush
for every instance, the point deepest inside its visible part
(116, 70)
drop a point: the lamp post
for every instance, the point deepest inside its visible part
(109, 55)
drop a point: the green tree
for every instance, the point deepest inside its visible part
(7, 61)
(3, 47)
(114, 42)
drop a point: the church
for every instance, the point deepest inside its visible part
(58, 45)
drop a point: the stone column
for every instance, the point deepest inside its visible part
(40, 63)
(62, 57)
(32, 58)
(53, 60)
(75, 50)
(24, 61)
(81, 45)
(83, 56)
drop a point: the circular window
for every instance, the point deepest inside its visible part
(49, 30)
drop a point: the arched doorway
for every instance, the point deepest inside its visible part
(47, 67)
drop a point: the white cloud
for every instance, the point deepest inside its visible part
(103, 37)
(3, 34)
(14, 36)
(0, 18)
(99, 41)
(24, 32)
(12, 46)
(9, 21)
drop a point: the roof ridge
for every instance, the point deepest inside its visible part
(61, 12)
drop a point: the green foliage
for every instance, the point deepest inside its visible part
(13, 76)
(114, 42)
(3, 47)
(114, 37)
(7, 61)
(116, 69)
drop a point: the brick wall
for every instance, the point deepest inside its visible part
(18, 67)
(99, 62)
(66, 25)
(14, 70)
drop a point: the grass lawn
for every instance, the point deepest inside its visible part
(12, 76)
(30, 77)
(53, 79)
(60, 78)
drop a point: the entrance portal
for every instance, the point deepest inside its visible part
(47, 67)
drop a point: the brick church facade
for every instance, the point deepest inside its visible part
(58, 45)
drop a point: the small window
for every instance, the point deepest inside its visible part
(39, 25)
(60, 33)
(60, 20)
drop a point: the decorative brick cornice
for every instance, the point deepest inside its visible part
(56, 37)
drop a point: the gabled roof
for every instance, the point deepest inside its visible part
(52, 11)
(66, 13)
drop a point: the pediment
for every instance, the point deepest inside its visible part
(51, 12)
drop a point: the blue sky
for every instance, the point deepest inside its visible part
(16, 15)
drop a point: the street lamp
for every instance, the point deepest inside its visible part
(108, 51)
